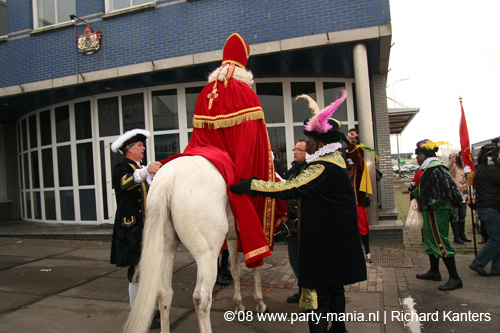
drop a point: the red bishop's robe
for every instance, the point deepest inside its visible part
(229, 116)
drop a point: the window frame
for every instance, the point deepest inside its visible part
(110, 12)
(37, 28)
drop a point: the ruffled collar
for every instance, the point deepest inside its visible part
(329, 148)
(428, 161)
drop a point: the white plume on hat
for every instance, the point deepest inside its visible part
(127, 136)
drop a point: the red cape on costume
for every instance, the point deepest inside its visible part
(229, 130)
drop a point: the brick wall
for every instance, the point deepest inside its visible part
(173, 28)
(382, 139)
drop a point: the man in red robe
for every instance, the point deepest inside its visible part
(229, 129)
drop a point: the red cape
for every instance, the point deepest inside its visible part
(229, 130)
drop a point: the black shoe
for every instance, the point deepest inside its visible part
(495, 274)
(452, 284)
(429, 276)
(480, 272)
(293, 299)
(222, 280)
(457, 240)
(465, 239)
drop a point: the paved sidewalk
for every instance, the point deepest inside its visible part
(68, 285)
(49, 285)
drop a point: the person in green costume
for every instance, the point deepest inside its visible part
(436, 192)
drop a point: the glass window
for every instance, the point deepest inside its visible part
(109, 121)
(165, 112)
(50, 205)
(47, 168)
(102, 151)
(24, 134)
(133, 112)
(64, 165)
(87, 205)
(278, 142)
(67, 205)
(19, 137)
(331, 93)
(85, 162)
(51, 12)
(298, 133)
(83, 122)
(121, 4)
(271, 98)
(27, 195)
(32, 126)
(45, 128)
(26, 172)
(62, 123)
(34, 169)
(37, 205)
(3, 17)
(300, 107)
(166, 146)
(191, 97)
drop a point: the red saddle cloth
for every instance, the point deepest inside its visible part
(251, 239)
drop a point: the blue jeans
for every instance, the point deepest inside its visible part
(491, 250)
(293, 257)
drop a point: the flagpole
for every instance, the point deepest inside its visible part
(467, 156)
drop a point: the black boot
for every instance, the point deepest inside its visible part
(456, 233)
(454, 282)
(433, 273)
(461, 229)
(320, 326)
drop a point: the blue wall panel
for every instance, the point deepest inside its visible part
(171, 29)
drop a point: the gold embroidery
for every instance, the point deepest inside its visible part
(306, 176)
(256, 252)
(228, 120)
(128, 221)
(233, 62)
(213, 95)
(308, 299)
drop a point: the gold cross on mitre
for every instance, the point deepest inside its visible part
(213, 95)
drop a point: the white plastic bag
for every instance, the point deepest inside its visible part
(414, 220)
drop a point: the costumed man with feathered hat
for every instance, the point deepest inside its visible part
(229, 130)
(330, 251)
(436, 192)
(131, 182)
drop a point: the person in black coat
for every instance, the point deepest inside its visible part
(289, 231)
(131, 183)
(330, 251)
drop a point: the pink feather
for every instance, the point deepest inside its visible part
(319, 122)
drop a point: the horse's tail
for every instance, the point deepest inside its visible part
(152, 261)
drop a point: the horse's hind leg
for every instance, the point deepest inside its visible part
(257, 294)
(232, 246)
(166, 293)
(205, 281)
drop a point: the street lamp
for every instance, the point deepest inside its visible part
(394, 89)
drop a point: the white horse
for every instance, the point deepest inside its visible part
(187, 202)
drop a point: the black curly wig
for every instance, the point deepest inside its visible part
(333, 135)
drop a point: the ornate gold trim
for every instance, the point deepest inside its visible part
(308, 175)
(233, 62)
(256, 252)
(308, 299)
(229, 120)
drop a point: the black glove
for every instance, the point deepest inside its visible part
(243, 187)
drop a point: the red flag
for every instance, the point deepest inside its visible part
(465, 144)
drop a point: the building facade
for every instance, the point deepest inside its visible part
(61, 105)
